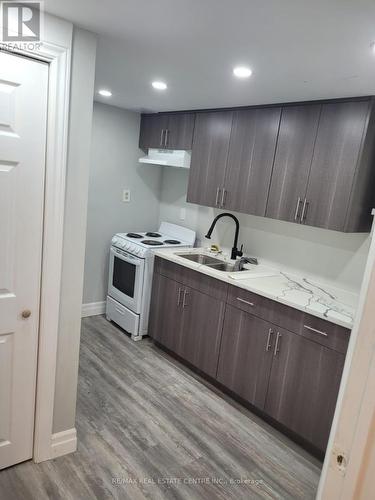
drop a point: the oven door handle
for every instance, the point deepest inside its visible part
(127, 257)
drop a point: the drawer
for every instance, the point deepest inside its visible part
(316, 329)
(166, 268)
(325, 333)
(270, 310)
(122, 316)
(194, 279)
(251, 302)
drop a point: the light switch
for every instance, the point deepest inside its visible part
(126, 195)
(182, 213)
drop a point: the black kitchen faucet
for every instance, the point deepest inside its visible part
(235, 252)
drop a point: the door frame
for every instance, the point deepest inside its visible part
(352, 427)
(55, 50)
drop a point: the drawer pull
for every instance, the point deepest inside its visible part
(297, 208)
(246, 302)
(277, 348)
(268, 345)
(304, 211)
(217, 196)
(179, 297)
(315, 330)
(223, 197)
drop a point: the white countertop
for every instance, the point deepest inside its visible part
(332, 304)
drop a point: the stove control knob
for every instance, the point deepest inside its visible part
(114, 240)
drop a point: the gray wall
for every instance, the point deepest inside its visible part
(114, 167)
(333, 257)
(81, 103)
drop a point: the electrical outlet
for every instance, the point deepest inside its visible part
(126, 195)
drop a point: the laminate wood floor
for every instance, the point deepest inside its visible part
(149, 428)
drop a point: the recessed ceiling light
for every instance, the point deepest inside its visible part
(242, 72)
(105, 93)
(159, 85)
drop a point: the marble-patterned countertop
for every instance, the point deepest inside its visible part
(332, 304)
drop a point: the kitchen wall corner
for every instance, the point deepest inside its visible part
(114, 167)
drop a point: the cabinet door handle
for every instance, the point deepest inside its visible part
(268, 345)
(315, 330)
(297, 208)
(217, 196)
(277, 343)
(179, 297)
(246, 302)
(161, 137)
(184, 301)
(304, 210)
(223, 197)
(166, 137)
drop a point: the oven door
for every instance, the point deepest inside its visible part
(126, 279)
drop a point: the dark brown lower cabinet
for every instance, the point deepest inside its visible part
(246, 356)
(303, 386)
(165, 315)
(230, 334)
(202, 324)
(187, 322)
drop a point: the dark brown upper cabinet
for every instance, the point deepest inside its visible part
(167, 131)
(232, 159)
(308, 163)
(341, 177)
(209, 158)
(293, 158)
(324, 173)
(152, 131)
(180, 131)
(250, 159)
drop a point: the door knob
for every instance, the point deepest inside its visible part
(26, 313)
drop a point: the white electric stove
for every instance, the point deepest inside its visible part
(131, 266)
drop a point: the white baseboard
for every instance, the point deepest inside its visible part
(93, 309)
(63, 443)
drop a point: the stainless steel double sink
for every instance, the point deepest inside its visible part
(209, 261)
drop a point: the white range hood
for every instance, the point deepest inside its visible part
(167, 157)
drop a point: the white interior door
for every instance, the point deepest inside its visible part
(23, 119)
